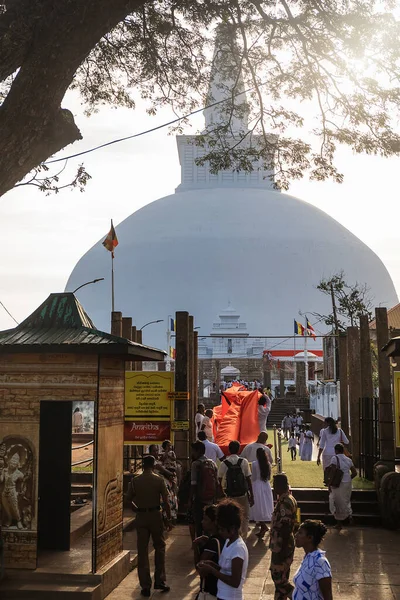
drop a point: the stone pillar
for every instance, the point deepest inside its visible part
(367, 393)
(354, 364)
(282, 380)
(217, 375)
(386, 413)
(344, 384)
(181, 411)
(116, 323)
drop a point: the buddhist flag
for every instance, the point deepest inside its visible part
(172, 352)
(310, 330)
(111, 240)
(172, 324)
(298, 328)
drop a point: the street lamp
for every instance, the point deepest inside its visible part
(88, 283)
(151, 322)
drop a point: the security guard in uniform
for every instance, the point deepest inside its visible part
(282, 543)
(148, 490)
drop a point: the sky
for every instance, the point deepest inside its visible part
(45, 236)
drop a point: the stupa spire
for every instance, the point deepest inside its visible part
(226, 81)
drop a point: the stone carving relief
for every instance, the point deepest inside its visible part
(16, 483)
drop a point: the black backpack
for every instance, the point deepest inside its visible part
(236, 484)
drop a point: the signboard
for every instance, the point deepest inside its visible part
(396, 386)
(146, 432)
(180, 426)
(178, 396)
(148, 409)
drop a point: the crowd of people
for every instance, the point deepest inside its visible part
(227, 492)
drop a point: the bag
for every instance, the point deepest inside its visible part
(236, 484)
(333, 475)
(205, 595)
(184, 489)
(207, 482)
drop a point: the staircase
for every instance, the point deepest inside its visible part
(41, 586)
(81, 486)
(314, 504)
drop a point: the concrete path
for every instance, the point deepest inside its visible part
(365, 565)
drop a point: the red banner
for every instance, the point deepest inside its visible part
(143, 432)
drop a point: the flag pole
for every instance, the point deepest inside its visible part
(294, 360)
(112, 282)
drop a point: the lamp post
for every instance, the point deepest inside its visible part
(88, 283)
(151, 322)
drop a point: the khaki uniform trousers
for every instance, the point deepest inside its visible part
(150, 524)
(280, 572)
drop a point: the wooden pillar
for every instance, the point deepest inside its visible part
(200, 391)
(300, 367)
(127, 333)
(282, 379)
(195, 400)
(191, 380)
(386, 413)
(138, 364)
(266, 372)
(354, 364)
(367, 393)
(217, 375)
(181, 410)
(116, 323)
(344, 384)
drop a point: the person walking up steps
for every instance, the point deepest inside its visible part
(148, 490)
(204, 484)
(261, 511)
(238, 482)
(281, 541)
(340, 497)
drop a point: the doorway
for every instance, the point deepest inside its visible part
(55, 438)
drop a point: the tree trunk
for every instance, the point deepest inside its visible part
(32, 124)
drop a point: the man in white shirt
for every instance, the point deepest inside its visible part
(207, 425)
(299, 420)
(250, 451)
(198, 420)
(243, 496)
(213, 451)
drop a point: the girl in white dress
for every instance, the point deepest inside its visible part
(261, 511)
(307, 448)
(330, 436)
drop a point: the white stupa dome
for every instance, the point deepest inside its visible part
(220, 237)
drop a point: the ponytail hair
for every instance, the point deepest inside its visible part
(331, 424)
(265, 469)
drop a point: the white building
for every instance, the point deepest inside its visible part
(223, 235)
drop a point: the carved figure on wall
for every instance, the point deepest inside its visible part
(16, 482)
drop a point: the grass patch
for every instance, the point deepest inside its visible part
(308, 474)
(82, 469)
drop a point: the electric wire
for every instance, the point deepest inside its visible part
(8, 312)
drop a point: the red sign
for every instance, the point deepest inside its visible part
(143, 432)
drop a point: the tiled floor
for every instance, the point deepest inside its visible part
(365, 565)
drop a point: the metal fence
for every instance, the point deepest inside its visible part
(369, 437)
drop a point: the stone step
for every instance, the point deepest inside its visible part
(365, 520)
(84, 488)
(321, 507)
(81, 477)
(38, 590)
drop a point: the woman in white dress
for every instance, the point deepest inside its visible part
(307, 447)
(261, 511)
(330, 436)
(340, 497)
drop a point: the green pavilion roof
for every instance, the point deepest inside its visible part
(61, 324)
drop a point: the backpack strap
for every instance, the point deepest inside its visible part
(228, 464)
(239, 462)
